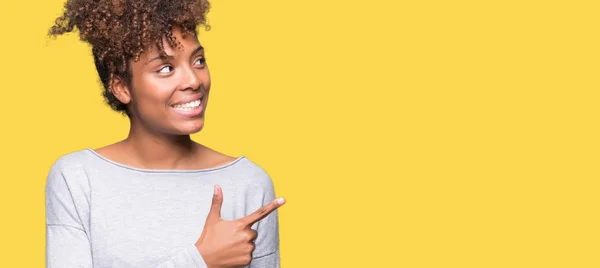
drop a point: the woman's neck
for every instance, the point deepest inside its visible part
(160, 151)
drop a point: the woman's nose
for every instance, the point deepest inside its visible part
(190, 79)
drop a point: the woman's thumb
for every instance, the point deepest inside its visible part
(215, 208)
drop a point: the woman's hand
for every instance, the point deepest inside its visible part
(230, 243)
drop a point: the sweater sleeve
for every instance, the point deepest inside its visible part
(67, 241)
(266, 253)
(67, 235)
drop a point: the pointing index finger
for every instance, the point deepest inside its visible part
(262, 212)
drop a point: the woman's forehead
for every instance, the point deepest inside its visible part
(187, 45)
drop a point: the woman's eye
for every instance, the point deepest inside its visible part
(165, 69)
(200, 61)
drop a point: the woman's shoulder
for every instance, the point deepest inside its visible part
(219, 159)
(253, 173)
(68, 175)
(215, 159)
(247, 169)
(71, 160)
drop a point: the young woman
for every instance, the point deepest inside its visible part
(156, 198)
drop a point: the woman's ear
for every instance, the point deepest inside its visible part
(119, 88)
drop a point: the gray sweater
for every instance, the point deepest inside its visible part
(100, 213)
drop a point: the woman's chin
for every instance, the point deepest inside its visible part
(191, 127)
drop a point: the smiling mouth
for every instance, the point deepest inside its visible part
(192, 105)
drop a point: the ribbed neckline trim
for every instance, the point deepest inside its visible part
(165, 170)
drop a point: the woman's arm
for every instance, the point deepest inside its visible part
(67, 243)
(266, 253)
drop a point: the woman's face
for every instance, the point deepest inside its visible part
(170, 96)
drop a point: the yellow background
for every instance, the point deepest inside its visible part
(402, 133)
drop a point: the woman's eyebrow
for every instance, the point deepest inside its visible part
(198, 49)
(170, 57)
(167, 58)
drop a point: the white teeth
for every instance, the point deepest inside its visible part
(188, 106)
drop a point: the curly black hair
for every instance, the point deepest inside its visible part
(120, 30)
